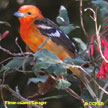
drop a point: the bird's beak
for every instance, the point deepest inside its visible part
(19, 14)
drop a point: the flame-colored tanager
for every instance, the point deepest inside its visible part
(34, 29)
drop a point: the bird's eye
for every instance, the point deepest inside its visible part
(29, 13)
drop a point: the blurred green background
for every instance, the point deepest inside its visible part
(50, 9)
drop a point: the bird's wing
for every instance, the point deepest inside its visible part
(50, 29)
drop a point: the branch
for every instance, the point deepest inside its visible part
(3, 80)
(102, 93)
(24, 71)
(82, 23)
(17, 95)
(6, 60)
(15, 54)
(16, 41)
(75, 95)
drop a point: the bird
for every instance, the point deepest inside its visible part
(35, 29)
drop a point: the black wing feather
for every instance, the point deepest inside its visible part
(49, 28)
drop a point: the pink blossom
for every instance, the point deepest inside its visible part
(91, 51)
(104, 66)
(102, 73)
(4, 35)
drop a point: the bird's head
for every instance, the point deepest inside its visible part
(27, 13)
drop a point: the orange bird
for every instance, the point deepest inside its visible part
(34, 29)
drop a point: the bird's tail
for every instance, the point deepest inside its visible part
(84, 80)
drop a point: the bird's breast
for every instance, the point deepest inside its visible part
(32, 37)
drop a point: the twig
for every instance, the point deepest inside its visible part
(15, 54)
(24, 71)
(2, 97)
(5, 60)
(17, 95)
(75, 95)
(82, 23)
(102, 93)
(18, 45)
(93, 18)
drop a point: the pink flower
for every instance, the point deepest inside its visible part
(104, 66)
(91, 51)
(4, 35)
(102, 73)
(106, 28)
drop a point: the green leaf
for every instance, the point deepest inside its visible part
(57, 69)
(68, 28)
(63, 21)
(46, 56)
(63, 84)
(81, 44)
(63, 16)
(86, 56)
(102, 4)
(76, 61)
(40, 65)
(38, 79)
(98, 2)
(45, 59)
(50, 62)
(16, 63)
(89, 69)
(26, 62)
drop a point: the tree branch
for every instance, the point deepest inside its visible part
(81, 19)
(17, 95)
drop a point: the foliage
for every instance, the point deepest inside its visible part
(102, 4)
(63, 20)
